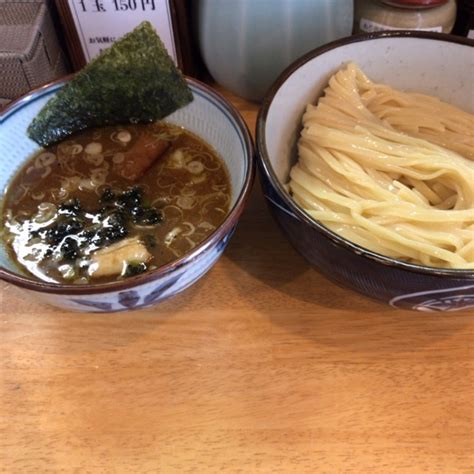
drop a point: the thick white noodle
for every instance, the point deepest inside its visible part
(391, 171)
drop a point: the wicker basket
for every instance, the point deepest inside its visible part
(29, 51)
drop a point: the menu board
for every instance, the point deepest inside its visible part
(93, 25)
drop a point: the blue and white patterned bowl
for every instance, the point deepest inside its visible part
(435, 64)
(209, 116)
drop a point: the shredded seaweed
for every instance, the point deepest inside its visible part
(134, 81)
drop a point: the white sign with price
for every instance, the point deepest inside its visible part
(100, 22)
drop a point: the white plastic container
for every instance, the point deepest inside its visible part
(245, 44)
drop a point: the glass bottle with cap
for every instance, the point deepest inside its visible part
(424, 15)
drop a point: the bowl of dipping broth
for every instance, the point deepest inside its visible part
(81, 232)
(366, 155)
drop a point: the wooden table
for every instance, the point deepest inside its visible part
(263, 366)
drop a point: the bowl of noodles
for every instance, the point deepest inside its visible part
(366, 157)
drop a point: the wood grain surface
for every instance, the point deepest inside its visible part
(263, 366)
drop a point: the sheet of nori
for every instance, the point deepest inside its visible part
(134, 81)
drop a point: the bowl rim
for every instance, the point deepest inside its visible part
(226, 227)
(263, 159)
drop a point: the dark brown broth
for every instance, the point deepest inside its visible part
(189, 185)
